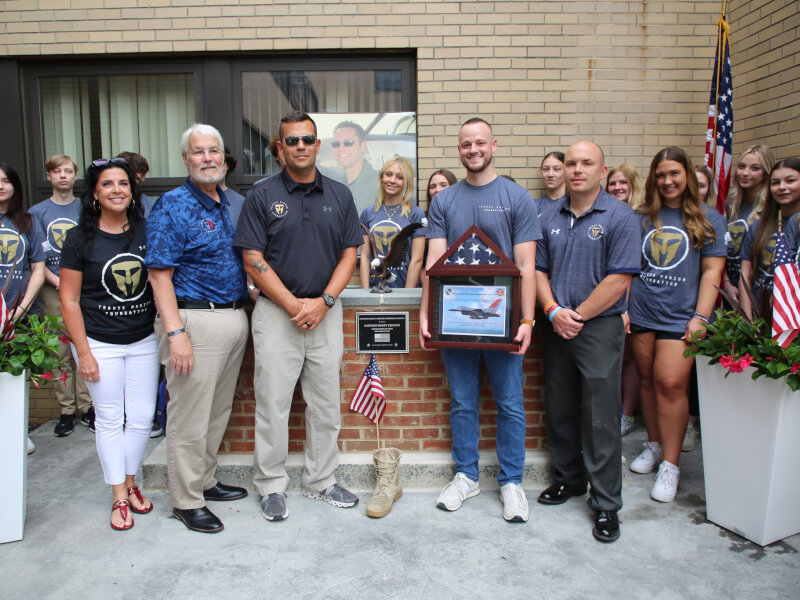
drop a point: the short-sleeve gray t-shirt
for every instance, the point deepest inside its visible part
(20, 251)
(503, 210)
(55, 221)
(664, 296)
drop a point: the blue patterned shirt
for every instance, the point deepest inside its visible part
(189, 231)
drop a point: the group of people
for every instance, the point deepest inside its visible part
(144, 283)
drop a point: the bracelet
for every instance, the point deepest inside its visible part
(553, 313)
(176, 332)
(530, 322)
(550, 305)
(700, 318)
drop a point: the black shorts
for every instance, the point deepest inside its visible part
(660, 335)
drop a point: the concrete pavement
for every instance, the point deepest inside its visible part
(665, 551)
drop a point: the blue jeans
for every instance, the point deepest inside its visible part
(463, 369)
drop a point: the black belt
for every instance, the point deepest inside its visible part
(205, 304)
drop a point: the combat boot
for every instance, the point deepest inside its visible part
(388, 488)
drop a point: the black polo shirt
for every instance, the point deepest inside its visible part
(301, 228)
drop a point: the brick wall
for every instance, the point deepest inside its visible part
(418, 400)
(632, 75)
(765, 57)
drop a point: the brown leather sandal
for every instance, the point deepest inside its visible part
(134, 491)
(122, 505)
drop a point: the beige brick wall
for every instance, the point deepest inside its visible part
(765, 55)
(634, 76)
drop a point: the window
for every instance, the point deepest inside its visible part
(93, 116)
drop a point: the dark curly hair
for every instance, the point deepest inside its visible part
(90, 211)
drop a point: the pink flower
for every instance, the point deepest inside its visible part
(47, 376)
(35, 383)
(63, 377)
(63, 339)
(795, 368)
(746, 360)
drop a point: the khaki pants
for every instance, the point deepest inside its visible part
(200, 403)
(72, 393)
(284, 353)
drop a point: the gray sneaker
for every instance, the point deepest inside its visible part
(273, 507)
(335, 494)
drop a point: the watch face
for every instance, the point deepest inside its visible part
(329, 300)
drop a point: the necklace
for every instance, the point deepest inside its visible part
(393, 213)
(104, 226)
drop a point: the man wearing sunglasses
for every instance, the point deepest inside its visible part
(199, 287)
(349, 146)
(298, 233)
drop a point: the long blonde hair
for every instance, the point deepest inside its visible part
(408, 184)
(636, 197)
(736, 196)
(697, 226)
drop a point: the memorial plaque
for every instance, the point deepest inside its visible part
(382, 332)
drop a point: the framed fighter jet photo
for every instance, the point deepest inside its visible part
(474, 296)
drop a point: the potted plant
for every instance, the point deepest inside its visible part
(28, 350)
(750, 411)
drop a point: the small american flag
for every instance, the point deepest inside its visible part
(719, 135)
(785, 296)
(6, 324)
(369, 399)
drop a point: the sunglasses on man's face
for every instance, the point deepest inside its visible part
(346, 143)
(293, 140)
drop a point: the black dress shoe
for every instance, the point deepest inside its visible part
(224, 492)
(606, 526)
(558, 493)
(198, 519)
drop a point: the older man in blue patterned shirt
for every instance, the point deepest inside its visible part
(199, 286)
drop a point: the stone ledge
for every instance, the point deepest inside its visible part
(418, 470)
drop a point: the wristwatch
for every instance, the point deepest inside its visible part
(329, 300)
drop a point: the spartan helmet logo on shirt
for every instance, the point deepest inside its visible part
(57, 232)
(384, 232)
(736, 231)
(12, 247)
(767, 257)
(123, 277)
(665, 248)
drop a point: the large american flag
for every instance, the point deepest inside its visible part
(785, 296)
(719, 136)
(369, 399)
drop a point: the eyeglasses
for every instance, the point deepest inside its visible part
(197, 152)
(293, 140)
(101, 162)
(346, 143)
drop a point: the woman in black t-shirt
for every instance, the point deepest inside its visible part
(108, 310)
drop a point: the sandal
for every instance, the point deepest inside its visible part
(134, 491)
(122, 505)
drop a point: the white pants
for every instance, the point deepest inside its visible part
(124, 401)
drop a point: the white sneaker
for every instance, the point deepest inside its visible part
(666, 486)
(691, 438)
(455, 492)
(515, 503)
(648, 459)
(31, 446)
(626, 425)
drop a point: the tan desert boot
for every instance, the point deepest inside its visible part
(388, 488)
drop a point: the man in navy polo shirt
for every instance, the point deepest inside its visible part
(584, 265)
(298, 232)
(199, 286)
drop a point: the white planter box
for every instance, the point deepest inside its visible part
(750, 453)
(13, 455)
